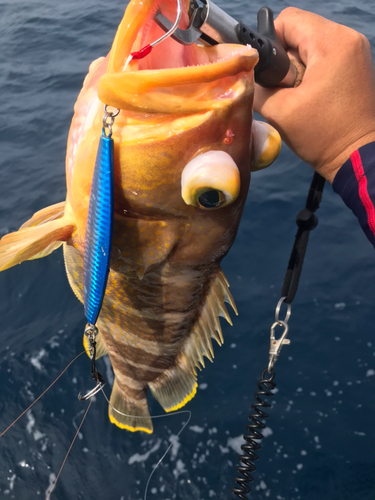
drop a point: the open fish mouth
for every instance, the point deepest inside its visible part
(139, 29)
(170, 63)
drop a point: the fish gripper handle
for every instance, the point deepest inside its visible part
(274, 63)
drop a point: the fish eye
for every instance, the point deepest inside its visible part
(210, 181)
(212, 198)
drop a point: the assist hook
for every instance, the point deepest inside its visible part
(91, 332)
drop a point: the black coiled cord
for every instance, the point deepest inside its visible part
(247, 467)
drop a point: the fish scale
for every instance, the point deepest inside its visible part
(99, 231)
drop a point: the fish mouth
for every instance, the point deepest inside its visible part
(170, 64)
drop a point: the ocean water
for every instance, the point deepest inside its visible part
(320, 439)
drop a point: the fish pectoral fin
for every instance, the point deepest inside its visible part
(266, 144)
(47, 214)
(74, 270)
(33, 241)
(128, 413)
(174, 388)
(101, 349)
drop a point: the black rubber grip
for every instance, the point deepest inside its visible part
(273, 65)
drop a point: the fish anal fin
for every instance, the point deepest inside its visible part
(29, 242)
(101, 349)
(174, 388)
(134, 415)
(207, 326)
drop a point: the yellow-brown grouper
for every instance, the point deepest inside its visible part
(184, 146)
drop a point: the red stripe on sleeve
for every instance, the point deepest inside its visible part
(362, 189)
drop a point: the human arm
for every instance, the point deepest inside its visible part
(332, 113)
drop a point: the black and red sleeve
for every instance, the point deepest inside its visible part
(355, 183)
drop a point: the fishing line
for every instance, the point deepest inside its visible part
(67, 453)
(37, 399)
(152, 417)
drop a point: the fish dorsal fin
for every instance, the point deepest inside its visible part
(177, 385)
(37, 238)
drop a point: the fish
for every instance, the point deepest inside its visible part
(185, 144)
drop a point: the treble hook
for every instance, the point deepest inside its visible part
(91, 332)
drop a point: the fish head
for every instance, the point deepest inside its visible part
(183, 147)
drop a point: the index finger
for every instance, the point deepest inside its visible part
(306, 32)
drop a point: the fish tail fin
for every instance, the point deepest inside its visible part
(37, 238)
(174, 388)
(132, 414)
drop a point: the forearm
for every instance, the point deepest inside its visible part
(355, 183)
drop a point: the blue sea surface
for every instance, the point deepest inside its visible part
(320, 439)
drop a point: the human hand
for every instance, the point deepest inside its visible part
(332, 112)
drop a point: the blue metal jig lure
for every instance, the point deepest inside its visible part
(98, 239)
(99, 224)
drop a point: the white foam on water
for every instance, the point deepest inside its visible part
(235, 443)
(137, 457)
(23, 463)
(370, 373)
(175, 446)
(340, 306)
(179, 469)
(31, 422)
(196, 428)
(38, 435)
(53, 342)
(12, 479)
(35, 360)
(52, 479)
(267, 431)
